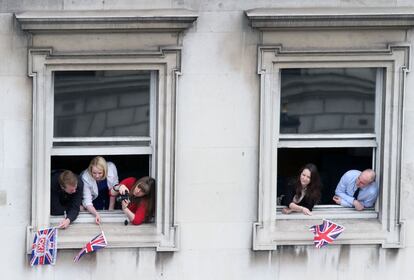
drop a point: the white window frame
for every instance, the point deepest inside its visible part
(145, 147)
(163, 235)
(387, 228)
(337, 140)
(42, 65)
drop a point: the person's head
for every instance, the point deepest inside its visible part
(98, 168)
(305, 177)
(309, 175)
(68, 181)
(309, 178)
(144, 189)
(365, 178)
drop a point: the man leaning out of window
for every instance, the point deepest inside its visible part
(66, 190)
(357, 189)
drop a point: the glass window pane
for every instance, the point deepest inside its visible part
(101, 103)
(328, 100)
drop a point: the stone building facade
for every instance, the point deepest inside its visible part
(222, 102)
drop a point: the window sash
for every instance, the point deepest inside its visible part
(308, 85)
(114, 216)
(100, 139)
(379, 89)
(337, 140)
(328, 212)
(104, 140)
(91, 151)
(339, 143)
(106, 146)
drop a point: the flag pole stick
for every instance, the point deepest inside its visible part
(100, 226)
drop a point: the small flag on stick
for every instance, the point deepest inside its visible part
(98, 242)
(44, 247)
(325, 233)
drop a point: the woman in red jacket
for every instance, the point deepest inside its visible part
(139, 207)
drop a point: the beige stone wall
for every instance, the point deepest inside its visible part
(217, 153)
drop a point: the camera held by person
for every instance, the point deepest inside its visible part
(122, 197)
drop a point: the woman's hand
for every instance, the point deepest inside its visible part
(125, 204)
(93, 211)
(97, 219)
(306, 211)
(64, 223)
(123, 189)
(286, 210)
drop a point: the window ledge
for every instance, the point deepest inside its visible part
(110, 20)
(117, 234)
(331, 212)
(116, 216)
(356, 232)
(330, 18)
(296, 232)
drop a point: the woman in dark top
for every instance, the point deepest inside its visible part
(304, 192)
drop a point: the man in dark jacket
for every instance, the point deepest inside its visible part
(66, 190)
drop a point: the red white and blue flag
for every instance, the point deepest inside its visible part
(325, 233)
(44, 247)
(98, 242)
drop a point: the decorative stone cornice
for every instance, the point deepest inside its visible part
(330, 18)
(171, 20)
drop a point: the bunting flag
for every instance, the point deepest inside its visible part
(98, 242)
(44, 247)
(325, 233)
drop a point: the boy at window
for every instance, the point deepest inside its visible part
(357, 189)
(66, 191)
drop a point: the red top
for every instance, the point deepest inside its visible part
(140, 212)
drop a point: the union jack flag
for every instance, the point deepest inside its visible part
(44, 247)
(325, 233)
(98, 242)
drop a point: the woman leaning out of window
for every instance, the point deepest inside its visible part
(98, 180)
(303, 192)
(139, 198)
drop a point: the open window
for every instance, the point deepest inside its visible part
(332, 163)
(341, 111)
(336, 102)
(112, 93)
(329, 116)
(109, 113)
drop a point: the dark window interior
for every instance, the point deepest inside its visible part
(127, 165)
(332, 163)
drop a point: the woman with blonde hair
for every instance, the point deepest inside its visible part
(98, 179)
(139, 201)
